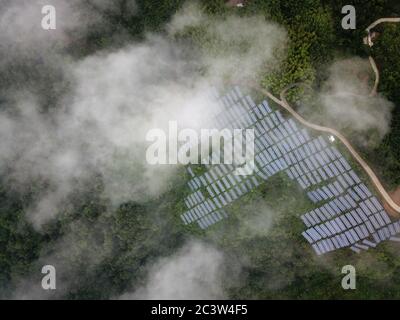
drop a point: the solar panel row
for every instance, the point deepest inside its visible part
(387, 232)
(340, 240)
(351, 224)
(212, 218)
(349, 215)
(227, 192)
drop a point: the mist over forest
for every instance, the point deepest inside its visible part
(76, 103)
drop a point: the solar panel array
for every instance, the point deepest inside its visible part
(346, 213)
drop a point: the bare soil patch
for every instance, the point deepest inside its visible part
(395, 195)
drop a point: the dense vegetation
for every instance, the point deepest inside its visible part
(388, 152)
(134, 235)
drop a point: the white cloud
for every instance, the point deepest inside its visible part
(239, 48)
(109, 101)
(346, 103)
(194, 272)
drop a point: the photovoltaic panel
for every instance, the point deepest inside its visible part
(346, 214)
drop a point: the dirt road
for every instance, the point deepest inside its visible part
(374, 90)
(395, 209)
(392, 207)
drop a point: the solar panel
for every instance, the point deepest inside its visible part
(351, 236)
(365, 190)
(375, 223)
(335, 208)
(386, 232)
(328, 191)
(360, 192)
(316, 249)
(348, 214)
(329, 209)
(369, 226)
(376, 203)
(385, 217)
(311, 197)
(320, 231)
(326, 230)
(322, 173)
(315, 217)
(391, 230)
(335, 226)
(321, 214)
(305, 221)
(380, 220)
(345, 164)
(359, 232)
(317, 144)
(329, 226)
(340, 224)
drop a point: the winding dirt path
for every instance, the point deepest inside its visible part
(370, 43)
(381, 20)
(395, 209)
(396, 194)
(396, 197)
(392, 207)
(374, 90)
